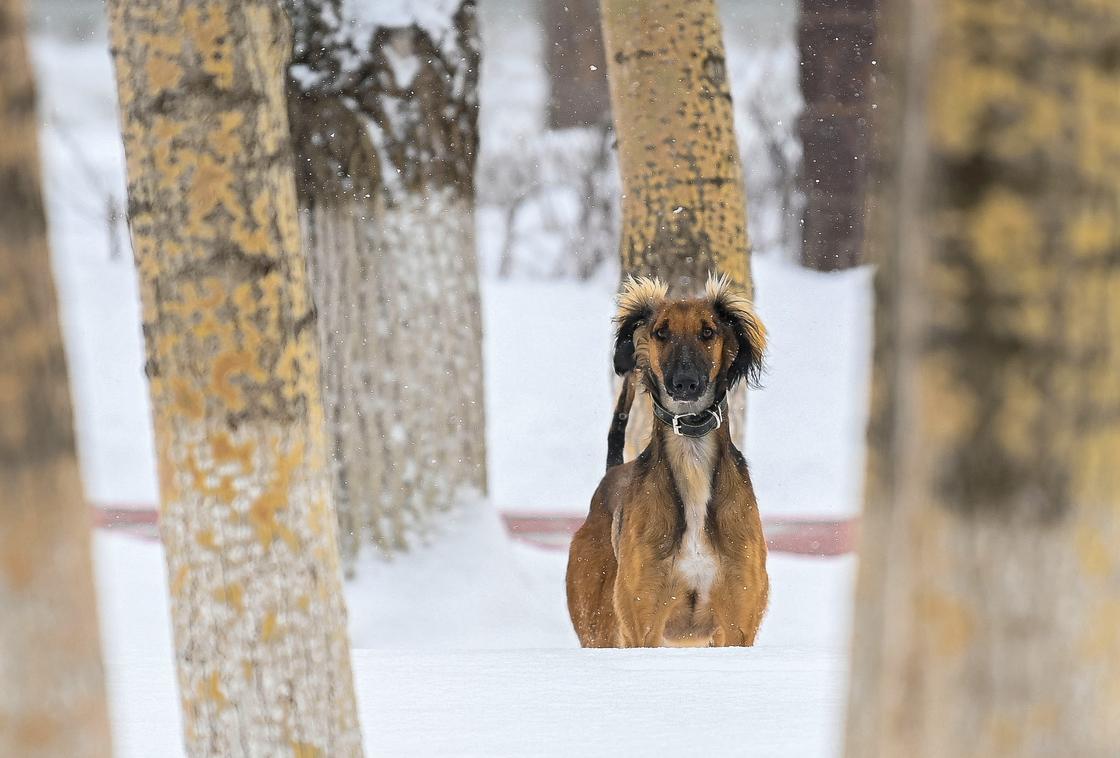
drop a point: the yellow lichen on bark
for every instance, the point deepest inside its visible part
(258, 616)
(52, 693)
(985, 594)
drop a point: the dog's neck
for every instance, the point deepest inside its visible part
(691, 459)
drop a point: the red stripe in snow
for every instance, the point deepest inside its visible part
(800, 536)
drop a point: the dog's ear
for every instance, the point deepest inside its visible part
(734, 308)
(639, 298)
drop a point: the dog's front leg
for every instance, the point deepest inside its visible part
(641, 618)
(641, 598)
(739, 601)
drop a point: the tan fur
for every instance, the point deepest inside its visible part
(639, 292)
(721, 290)
(692, 461)
(672, 551)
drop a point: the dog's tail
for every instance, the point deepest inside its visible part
(616, 438)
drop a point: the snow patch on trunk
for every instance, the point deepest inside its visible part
(366, 17)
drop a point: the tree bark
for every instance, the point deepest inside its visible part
(232, 361)
(385, 128)
(988, 601)
(683, 202)
(837, 41)
(577, 67)
(52, 691)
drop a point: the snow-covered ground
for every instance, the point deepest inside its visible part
(464, 647)
(528, 703)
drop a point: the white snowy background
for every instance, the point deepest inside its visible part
(464, 647)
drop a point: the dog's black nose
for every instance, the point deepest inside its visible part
(685, 384)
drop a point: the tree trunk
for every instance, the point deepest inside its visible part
(52, 692)
(384, 122)
(577, 68)
(683, 203)
(988, 603)
(232, 361)
(836, 42)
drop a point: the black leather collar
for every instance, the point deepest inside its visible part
(692, 424)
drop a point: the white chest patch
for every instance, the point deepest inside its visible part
(692, 460)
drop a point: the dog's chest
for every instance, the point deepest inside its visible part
(692, 461)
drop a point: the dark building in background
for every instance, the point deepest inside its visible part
(836, 40)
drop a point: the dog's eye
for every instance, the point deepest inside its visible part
(707, 333)
(662, 333)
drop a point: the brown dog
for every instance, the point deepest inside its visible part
(672, 551)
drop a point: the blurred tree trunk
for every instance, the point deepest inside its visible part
(579, 99)
(384, 122)
(836, 38)
(577, 68)
(683, 208)
(52, 691)
(988, 603)
(246, 519)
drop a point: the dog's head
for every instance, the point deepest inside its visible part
(689, 351)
